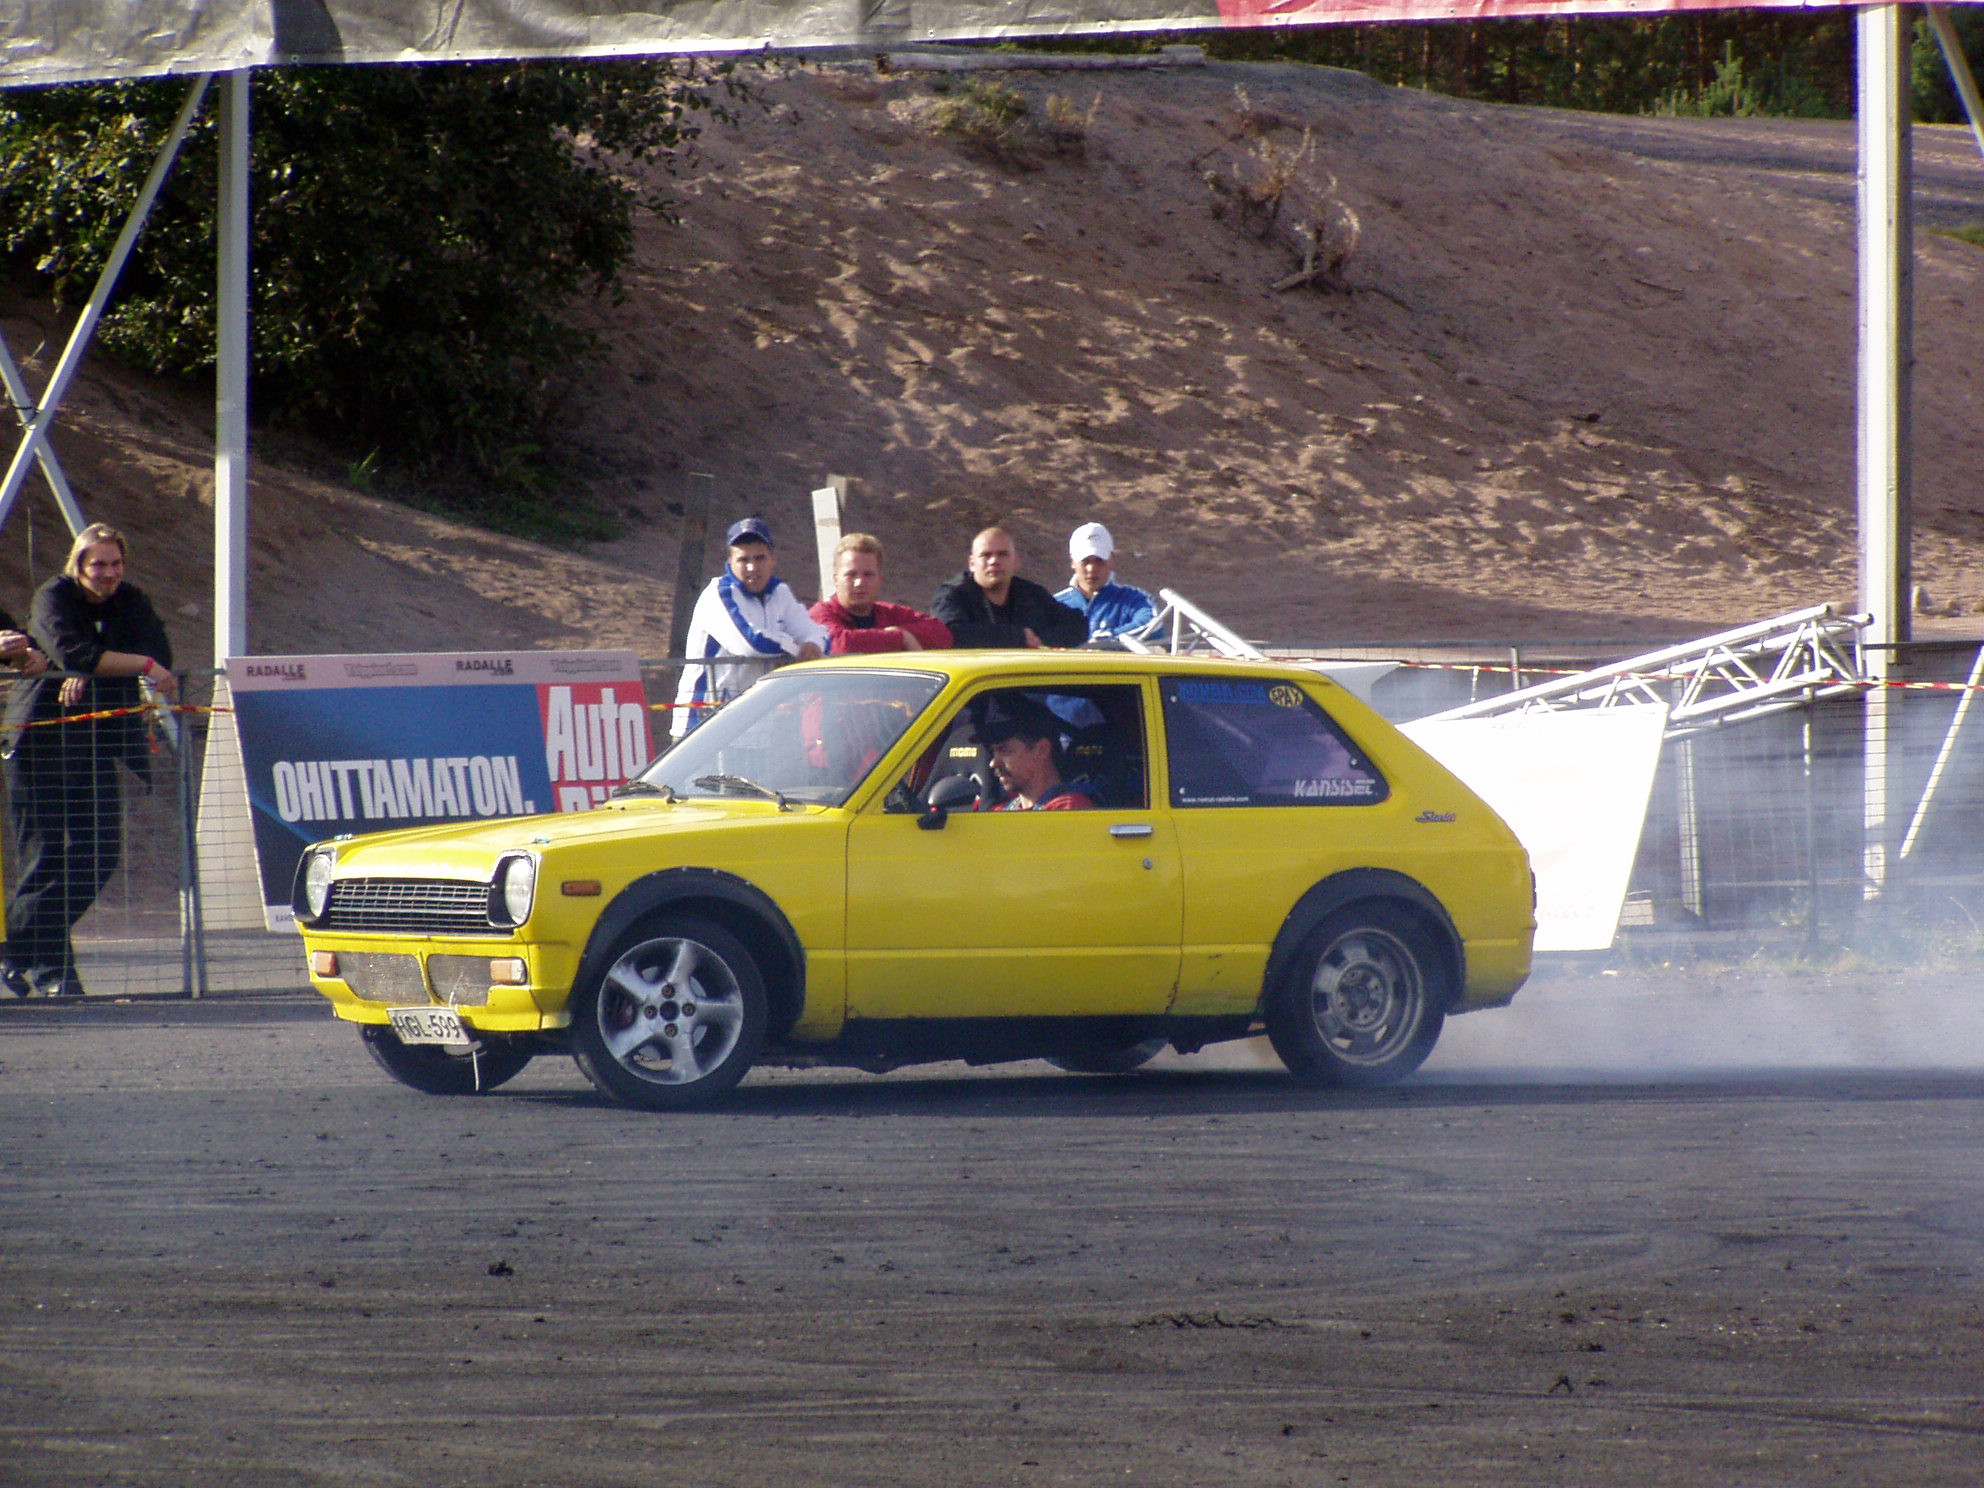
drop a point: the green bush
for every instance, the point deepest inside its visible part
(419, 237)
(987, 116)
(1936, 99)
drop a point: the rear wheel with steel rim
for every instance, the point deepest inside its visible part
(675, 1019)
(1363, 1002)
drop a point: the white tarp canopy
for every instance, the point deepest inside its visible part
(53, 41)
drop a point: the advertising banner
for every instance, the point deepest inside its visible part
(1573, 787)
(337, 744)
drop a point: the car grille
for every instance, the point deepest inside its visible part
(409, 906)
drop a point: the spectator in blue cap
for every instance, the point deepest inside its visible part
(747, 611)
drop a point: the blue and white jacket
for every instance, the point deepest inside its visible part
(729, 620)
(1115, 609)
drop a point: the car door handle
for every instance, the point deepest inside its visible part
(1131, 829)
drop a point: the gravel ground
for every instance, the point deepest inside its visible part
(1682, 1232)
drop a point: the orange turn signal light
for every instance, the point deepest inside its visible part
(324, 963)
(509, 971)
(580, 888)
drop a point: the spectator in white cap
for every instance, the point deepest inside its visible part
(1110, 608)
(746, 611)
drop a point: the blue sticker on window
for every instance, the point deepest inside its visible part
(1244, 693)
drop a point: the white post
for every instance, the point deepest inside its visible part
(1886, 291)
(829, 501)
(231, 378)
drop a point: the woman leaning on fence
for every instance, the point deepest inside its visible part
(64, 739)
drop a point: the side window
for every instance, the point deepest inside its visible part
(1100, 747)
(1236, 741)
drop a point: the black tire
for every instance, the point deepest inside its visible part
(1107, 1059)
(442, 1069)
(675, 1019)
(1363, 1001)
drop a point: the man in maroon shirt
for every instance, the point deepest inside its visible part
(857, 621)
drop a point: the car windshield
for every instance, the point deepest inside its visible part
(807, 737)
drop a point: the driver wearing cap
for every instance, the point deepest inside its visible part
(748, 611)
(1025, 739)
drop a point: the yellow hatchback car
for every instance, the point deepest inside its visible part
(969, 855)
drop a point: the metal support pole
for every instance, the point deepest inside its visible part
(1811, 828)
(1694, 892)
(1886, 352)
(231, 378)
(192, 936)
(1960, 73)
(24, 407)
(35, 427)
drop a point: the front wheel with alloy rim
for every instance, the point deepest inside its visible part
(675, 1019)
(446, 1069)
(1363, 1001)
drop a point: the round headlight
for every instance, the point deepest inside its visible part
(519, 886)
(317, 884)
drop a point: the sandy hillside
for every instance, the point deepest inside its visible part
(1580, 379)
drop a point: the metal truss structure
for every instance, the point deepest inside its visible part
(1181, 628)
(1766, 667)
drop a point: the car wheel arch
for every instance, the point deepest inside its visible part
(1375, 886)
(742, 908)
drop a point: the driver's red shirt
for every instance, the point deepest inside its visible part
(1065, 801)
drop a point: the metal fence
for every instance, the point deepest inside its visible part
(73, 807)
(1756, 838)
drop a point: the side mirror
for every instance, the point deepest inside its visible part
(946, 796)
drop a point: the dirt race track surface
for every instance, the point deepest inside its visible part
(232, 1253)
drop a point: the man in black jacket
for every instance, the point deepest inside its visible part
(989, 605)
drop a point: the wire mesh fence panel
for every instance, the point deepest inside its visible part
(1848, 820)
(238, 951)
(95, 847)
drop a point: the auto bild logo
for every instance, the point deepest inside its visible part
(282, 671)
(495, 666)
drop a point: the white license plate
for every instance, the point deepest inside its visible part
(428, 1025)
